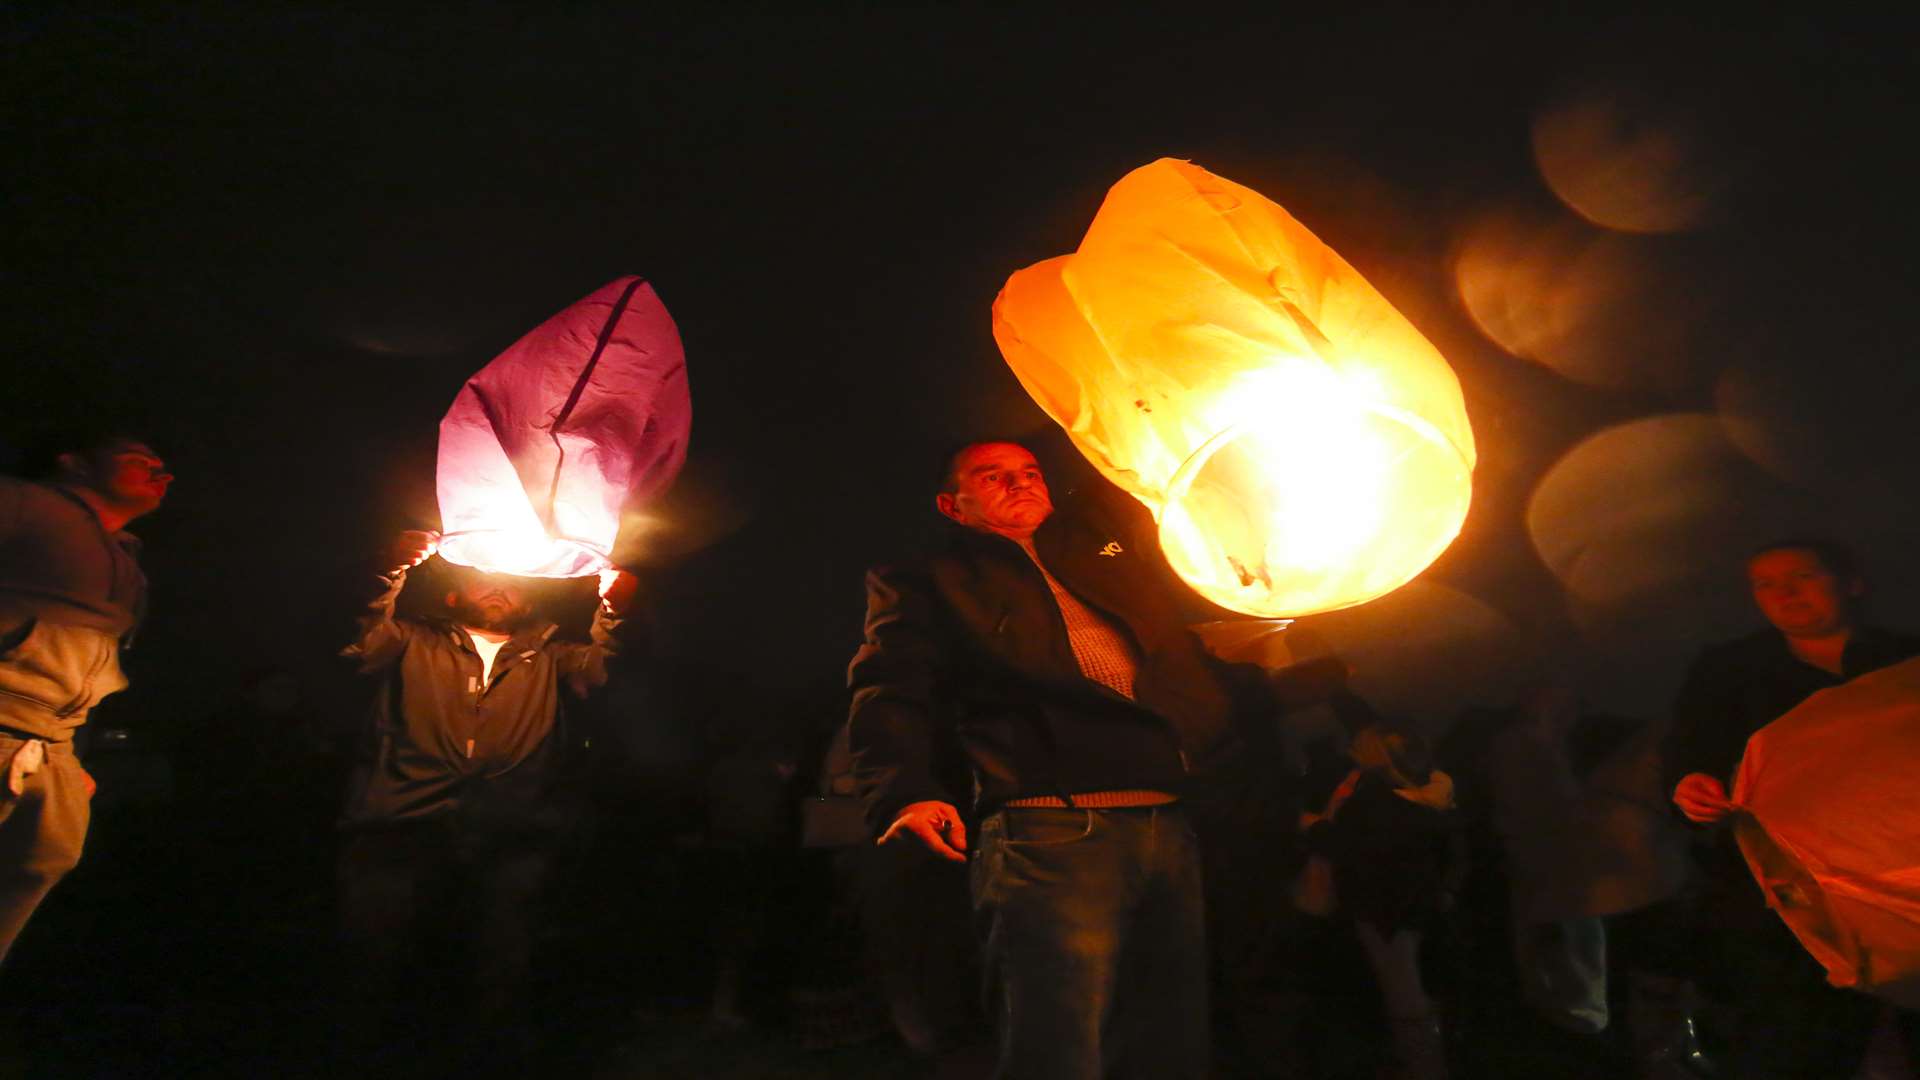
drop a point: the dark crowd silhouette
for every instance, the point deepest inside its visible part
(1037, 830)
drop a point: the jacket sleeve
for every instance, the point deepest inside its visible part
(382, 637)
(893, 723)
(1705, 734)
(584, 667)
(13, 494)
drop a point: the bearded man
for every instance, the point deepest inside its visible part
(451, 810)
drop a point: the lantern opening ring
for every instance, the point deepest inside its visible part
(565, 557)
(1183, 476)
(1180, 487)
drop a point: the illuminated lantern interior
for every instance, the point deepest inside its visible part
(1302, 446)
(583, 417)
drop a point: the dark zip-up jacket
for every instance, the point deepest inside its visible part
(71, 593)
(442, 740)
(967, 654)
(1738, 687)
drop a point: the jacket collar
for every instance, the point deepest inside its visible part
(124, 538)
(531, 636)
(964, 540)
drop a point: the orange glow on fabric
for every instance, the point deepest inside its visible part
(1830, 827)
(1302, 446)
(585, 416)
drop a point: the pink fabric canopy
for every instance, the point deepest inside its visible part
(1831, 828)
(584, 417)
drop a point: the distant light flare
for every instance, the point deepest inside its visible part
(1423, 652)
(1643, 521)
(1841, 426)
(1626, 162)
(712, 500)
(1302, 445)
(1426, 651)
(1600, 309)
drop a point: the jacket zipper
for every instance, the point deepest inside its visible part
(480, 689)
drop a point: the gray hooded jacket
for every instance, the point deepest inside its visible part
(70, 595)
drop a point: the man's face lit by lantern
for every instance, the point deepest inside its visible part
(997, 488)
(124, 472)
(1799, 594)
(489, 602)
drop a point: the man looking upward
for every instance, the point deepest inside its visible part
(71, 592)
(454, 806)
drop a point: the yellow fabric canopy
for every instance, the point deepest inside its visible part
(1302, 446)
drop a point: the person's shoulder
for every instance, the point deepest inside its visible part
(960, 551)
(1891, 645)
(41, 506)
(1099, 507)
(18, 490)
(891, 583)
(901, 569)
(428, 627)
(1890, 637)
(13, 492)
(1739, 652)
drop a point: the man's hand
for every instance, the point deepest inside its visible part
(1701, 798)
(411, 548)
(617, 587)
(936, 824)
(24, 763)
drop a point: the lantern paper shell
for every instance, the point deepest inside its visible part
(1302, 446)
(1831, 828)
(582, 418)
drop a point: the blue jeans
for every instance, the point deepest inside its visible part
(1095, 943)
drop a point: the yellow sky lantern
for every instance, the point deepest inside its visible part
(1302, 446)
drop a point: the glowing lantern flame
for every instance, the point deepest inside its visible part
(585, 416)
(1303, 447)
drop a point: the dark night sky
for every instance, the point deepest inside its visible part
(281, 238)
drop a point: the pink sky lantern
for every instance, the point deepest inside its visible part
(584, 417)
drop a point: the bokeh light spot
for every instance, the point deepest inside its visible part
(1645, 518)
(1427, 651)
(1625, 161)
(1596, 308)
